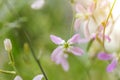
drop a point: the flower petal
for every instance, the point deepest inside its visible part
(105, 56)
(65, 64)
(77, 24)
(38, 77)
(18, 78)
(79, 8)
(84, 40)
(74, 39)
(112, 65)
(56, 40)
(76, 51)
(56, 53)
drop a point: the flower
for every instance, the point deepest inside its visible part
(112, 57)
(38, 77)
(90, 16)
(59, 55)
(18, 78)
(37, 4)
(8, 45)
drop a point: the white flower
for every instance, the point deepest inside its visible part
(18, 78)
(37, 4)
(38, 77)
(8, 45)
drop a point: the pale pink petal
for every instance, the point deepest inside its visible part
(74, 39)
(104, 4)
(65, 64)
(76, 51)
(18, 78)
(86, 29)
(93, 36)
(112, 65)
(79, 8)
(56, 40)
(38, 77)
(91, 8)
(107, 38)
(56, 53)
(105, 56)
(84, 40)
(77, 24)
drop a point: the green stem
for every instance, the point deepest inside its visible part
(7, 72)
(34, 56)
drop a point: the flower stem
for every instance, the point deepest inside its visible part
(34, 56)
(105, 24)
(7, 72)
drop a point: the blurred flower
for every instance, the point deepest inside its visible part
(18, 78)
(59, 54)
(38, 77)
(90, 16)
(8, 45)
(113, 57)
(99, 34)
(37, 4)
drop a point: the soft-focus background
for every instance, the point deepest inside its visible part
(55, 17)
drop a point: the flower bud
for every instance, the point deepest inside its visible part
(8, 45)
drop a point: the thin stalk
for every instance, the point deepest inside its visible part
(7, 72)
(110, 13)
(34, 56)
(29, 42)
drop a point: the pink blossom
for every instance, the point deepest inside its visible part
(112, 57)
(59, 55)
(90, 16)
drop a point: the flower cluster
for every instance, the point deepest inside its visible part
(96, 21)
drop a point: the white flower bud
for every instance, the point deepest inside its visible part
(38, 77)
(8, 45)
(18, 78)
(37, 4)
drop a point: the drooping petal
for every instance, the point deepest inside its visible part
(104, 56)
(56, 53)
(91, 8)
(56, 40)
(65, 64)
(18, 78)
(86, 29)
(38, 77)
(79, 8)
(74, 39)
(112, 65)
(76, 51)
(77, 24)
(105, 36)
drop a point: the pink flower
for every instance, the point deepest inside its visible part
(99, 34)
(59, 55)
(112, 57)
(90, 16)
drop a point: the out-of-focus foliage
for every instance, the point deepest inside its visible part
(55, 17)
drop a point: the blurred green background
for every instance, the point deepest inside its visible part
(55, 17)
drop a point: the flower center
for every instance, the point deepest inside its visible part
(66, 45)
